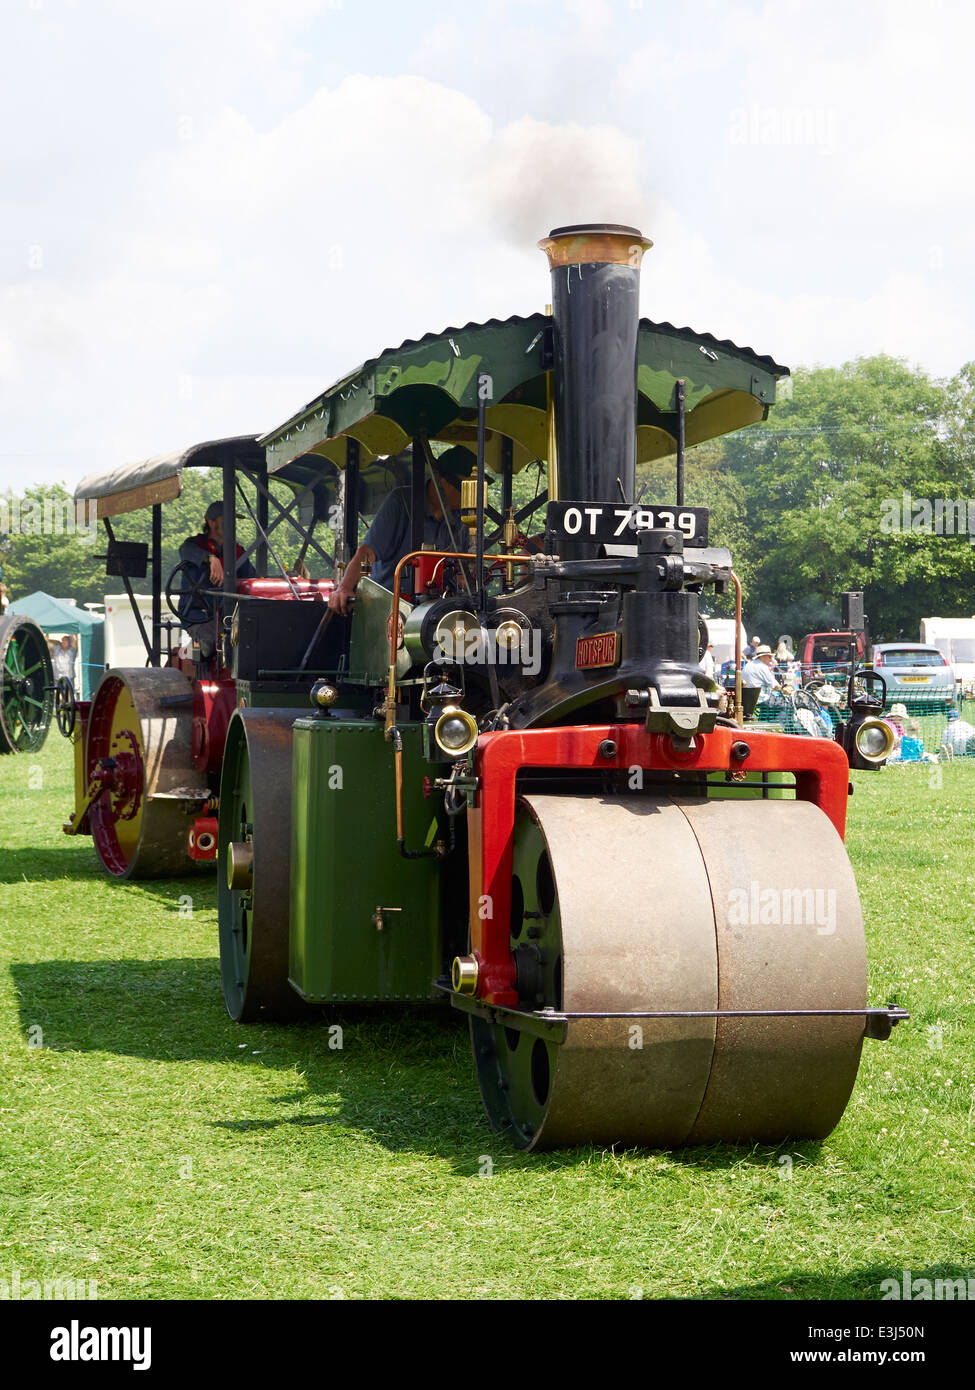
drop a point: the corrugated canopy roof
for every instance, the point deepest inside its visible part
(429, 385)
(132, 486)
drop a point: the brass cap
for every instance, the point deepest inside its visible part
(240, 866)
(463, 975)
(597, 243)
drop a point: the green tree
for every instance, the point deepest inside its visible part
(821, 475)
(42, 551)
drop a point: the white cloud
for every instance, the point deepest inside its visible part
(807, 196)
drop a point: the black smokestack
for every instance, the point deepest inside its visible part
(596, 315)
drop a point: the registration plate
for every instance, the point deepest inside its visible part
(618, 523)
(904, 679)
(601, 649)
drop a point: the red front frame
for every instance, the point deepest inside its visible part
(820, 767)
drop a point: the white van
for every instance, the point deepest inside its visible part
(721, 635)
(123, 645)
(955, 640)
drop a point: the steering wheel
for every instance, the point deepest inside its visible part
(65, 707)
(188, 594)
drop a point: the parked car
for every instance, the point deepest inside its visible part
(915, 674)
(826, 655)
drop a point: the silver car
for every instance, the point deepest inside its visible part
(915, 674)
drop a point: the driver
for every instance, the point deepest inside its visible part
(388, 538)
(203, 557)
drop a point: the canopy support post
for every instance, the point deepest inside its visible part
(350, 491)
(418, 501)
(262, 516)
(229, 544)
(680, 441)
(157, 584)
(484, 385)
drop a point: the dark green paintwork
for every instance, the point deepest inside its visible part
(369, 647)
(264, 696)
(345, 864)
(779, 786)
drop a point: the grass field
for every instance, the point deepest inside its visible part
(152, 1145)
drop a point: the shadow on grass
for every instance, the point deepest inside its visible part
(74, 860)
(712, 1156)
(404, 1078)
(860, 1285)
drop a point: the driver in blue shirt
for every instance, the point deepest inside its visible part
(389, 537)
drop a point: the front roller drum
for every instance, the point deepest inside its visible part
(630, 904)
(253, 866)
(139, 749)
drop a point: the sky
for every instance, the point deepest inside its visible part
(212, 209)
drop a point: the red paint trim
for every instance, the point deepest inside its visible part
(822, 776)
(214, 702)
(205, 848)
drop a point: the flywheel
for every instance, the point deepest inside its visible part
(650, 904)
(26, 685)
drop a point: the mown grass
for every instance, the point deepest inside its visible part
(158, 1148)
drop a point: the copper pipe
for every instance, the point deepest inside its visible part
(739, 710)
(398, 762)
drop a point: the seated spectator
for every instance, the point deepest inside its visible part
(758, 671)
(894, 720)
(958, 739)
